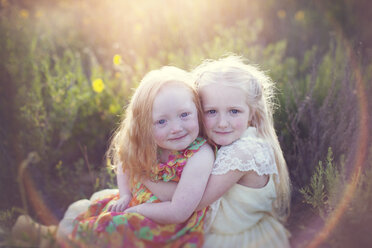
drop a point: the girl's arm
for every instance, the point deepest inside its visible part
(124, 191)
(220, 184)
(216, 187)
(163, 190)
(188, 193)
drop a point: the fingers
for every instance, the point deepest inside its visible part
(130, 210)
(119, 206)
(116, 207)
(112, 208)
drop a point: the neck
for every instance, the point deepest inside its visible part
(163, 155)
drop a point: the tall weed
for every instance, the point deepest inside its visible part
(326, 190)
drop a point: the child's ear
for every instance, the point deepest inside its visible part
(251, 116)
(254, 117)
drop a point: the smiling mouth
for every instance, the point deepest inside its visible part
(178, 138)
(223, 133)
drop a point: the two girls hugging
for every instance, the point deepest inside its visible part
(198, 164)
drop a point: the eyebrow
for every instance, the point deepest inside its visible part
(231, 106)
(186, 109)
(156, 118)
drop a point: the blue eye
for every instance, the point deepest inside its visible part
(212, 111)
(234, 111)
(183, 115)
(162, 121)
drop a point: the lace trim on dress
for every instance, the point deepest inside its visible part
(247, 153)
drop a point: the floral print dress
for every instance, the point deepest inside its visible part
(98, 227)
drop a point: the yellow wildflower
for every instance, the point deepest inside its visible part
(98, 85)
(117, 59)
(114, 108)
(24, 13)
(300, 15)
(281, 14)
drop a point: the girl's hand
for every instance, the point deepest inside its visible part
(133, 209)
(121, 204)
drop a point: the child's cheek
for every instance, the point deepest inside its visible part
(241, 124)
(194, 125)
(208, 123)
(158, 135)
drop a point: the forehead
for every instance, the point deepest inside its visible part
(173, 96)
(174, 88)
(221, 94)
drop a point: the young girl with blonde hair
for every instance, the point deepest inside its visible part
(158, 140)
(249, 189)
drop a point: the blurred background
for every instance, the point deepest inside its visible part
(68, 67)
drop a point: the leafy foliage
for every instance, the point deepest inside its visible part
(326, 181)
(327, 187)
(64, 82)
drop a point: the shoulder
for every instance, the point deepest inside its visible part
(204, 151)
(196, 144)
(206, 147)
(246, 148)
(247, 153)
(194, 147)
(204, 157)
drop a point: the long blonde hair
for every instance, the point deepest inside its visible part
(132, 144)
(259, 91)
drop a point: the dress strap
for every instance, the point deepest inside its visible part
(194, 147)
(172, 169)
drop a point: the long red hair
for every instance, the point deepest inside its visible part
(133, 144)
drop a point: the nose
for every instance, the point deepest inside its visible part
(176, 127)
(222, 122)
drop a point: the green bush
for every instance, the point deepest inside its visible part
(64, 82)
(328, 186)
(325, 185)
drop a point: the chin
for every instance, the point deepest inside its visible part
(222, 142)
(181, 146)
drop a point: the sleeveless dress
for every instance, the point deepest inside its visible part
(243, 216)
(97, 227)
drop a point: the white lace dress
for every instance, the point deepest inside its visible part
(242, 217)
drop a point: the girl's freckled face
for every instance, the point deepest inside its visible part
(175, 118)
(225, 112)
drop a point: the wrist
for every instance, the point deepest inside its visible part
(126, 195)
(139, 208)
